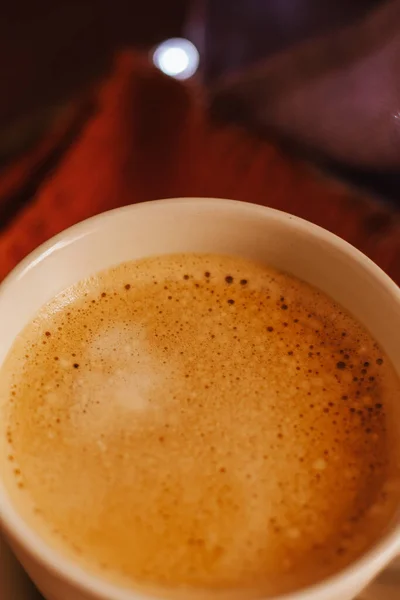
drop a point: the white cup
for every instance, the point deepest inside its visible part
(194, 225)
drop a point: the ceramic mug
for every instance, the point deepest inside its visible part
(195, 225)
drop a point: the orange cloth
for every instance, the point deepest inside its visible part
(149, 138)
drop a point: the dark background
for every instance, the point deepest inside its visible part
(48, 48)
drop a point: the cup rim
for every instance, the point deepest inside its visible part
(69, 570)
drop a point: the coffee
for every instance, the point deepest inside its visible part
(201, 422)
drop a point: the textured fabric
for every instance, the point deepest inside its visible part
(149, 137)
(338, 95)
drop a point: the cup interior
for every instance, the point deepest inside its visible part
(202, 225)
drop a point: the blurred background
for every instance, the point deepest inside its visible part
(50, 49)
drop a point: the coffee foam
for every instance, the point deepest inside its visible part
(201, 421)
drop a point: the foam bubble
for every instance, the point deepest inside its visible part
(202, 420)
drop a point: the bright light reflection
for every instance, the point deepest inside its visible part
(177, 58)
